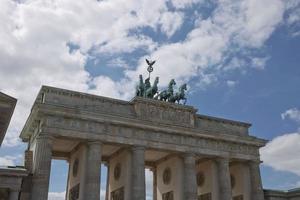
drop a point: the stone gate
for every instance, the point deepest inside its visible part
(192, 156)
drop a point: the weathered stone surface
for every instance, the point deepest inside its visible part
(224, 179)
(138, 173)
(190, 184)
(139, 125)
(42, 168)
(282, 195)
(92, 173)
(139, 110)
(255, 179)
(7, 106)
(163, 112)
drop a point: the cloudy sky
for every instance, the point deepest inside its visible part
(239, 57)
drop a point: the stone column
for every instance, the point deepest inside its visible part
(224, 179)
(93, 171)
(41, 167)
(189, 182)
(14, 194)
(68, 179)
(138, 173)
(255, 179)
(154, 170)
(107, 182)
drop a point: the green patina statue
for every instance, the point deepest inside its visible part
(144, 89)
(180, 95)
(151, 91)
(140, 87)
(166, 94)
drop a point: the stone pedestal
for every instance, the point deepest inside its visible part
(93, 171)
(189, 182)
(255, 179)
(41, 168)
(224, 179)
(138, 173)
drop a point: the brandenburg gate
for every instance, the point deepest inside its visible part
(192, 156)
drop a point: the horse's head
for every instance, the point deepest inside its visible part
(156, 80)
(183, 87)
(147, 80)
(172, 82)
(141, 77)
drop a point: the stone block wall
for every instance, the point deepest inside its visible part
(282, 195)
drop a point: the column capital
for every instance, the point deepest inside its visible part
(189, 154)
(45, 137)
(94, 142)
(222, 159)
(256, 162)
(138, 147)
(189, 158)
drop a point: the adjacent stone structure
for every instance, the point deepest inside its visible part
(7, 106)
(10, 177)
(282, 195)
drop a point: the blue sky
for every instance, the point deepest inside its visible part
(239, 57)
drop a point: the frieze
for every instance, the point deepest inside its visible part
(74, 192)
(206, 196)
(140, 110)
(168, 196)
(84, 102)
(148, 136)
(163, 112)
(117, 194)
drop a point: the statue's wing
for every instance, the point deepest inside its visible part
(147, 61)
(153, 62)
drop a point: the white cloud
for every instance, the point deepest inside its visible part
(231, 83)
(171, 22)
(293, 114)
(293, 17)
(10, 160)
(282, 153)
(35, 34)
(56, 195)
(184, 3)
(259, 63)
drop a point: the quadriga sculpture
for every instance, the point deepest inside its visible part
(180, 95)
(166, 94)
(151, 91)
(140, 87)
(144, 89)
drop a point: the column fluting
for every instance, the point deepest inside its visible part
(93, 171)
(41, 167)
(224, 179)
(255, 178)
(13, 194)
(189, 182)
(138, 173)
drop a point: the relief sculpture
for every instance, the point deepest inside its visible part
(117, 194)
(168, 196)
